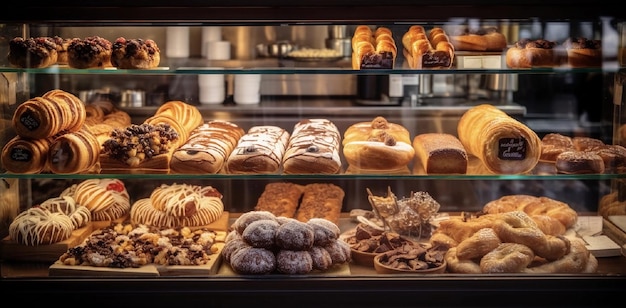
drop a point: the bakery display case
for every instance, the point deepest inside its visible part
(176, 149)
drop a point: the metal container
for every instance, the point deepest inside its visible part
(342, 45)
(337, 31)
(133, 98)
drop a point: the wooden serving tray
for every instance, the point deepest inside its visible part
(150, 270)
(159, 164)
(11, 250)
(101, 224)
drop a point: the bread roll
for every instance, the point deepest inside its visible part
(259, 151)
(313, 148)
(377, 146)
(439, 153)
(482, 39)
(528, 53)
(373, 49)
(431, 50)
(583, 52)
(207, 149)
(503, 144)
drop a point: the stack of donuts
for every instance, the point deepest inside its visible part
(260, 243)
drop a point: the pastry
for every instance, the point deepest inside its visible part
(182, 117)
(106, 199)
(377, 146)
(260, 150)
(427, 50)
(373, 49)
(439, 153)
(135, 53)
(321, 200)
(579, 162)
(62, 45)
(31, 52)
(502, 143)
(22, 155)
(207, 148)
(481, 39)
(313, 147)
(90, 52)
(527, 53)
(280, 199)
(583, 52)
(553, 144)
(74, 152)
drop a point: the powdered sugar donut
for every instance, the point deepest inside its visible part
(294, 262)
(295, 236)
(252, 260)
(261, 233)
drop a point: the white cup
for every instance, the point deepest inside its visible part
(209, 34)
(247, 89)
(218, 50)
(211, 88)
(177, 42)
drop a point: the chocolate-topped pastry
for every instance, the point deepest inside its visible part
(528, 53)
(90, 52)
(135, 53)
(31, 52)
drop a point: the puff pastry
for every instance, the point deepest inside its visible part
(502, 143)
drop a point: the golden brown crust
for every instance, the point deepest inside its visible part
(482, 39)
(280, 199)
(321, 200)
(583, 52)
(373, 49)
(553, 144)
(74, 152)
(535, 53)
(377, 145)
(439, 153)
(432, 50)
(22, 155)
(503, 144)
(259, 151)
(579, 162)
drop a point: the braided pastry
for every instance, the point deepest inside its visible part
(178, 205)
(106, 199)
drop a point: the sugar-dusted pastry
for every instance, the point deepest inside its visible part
(313, 148)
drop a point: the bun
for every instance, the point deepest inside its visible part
(439, 153)
(28, 156)
(579, 162)
(583, 52)
(135, 54)
(90, 52)
(528, 53)
(377, 146)
(483, 39)
(260, 150)
(553, 144)
(207, 149)
(31, 52)
(503, 144)
(427, 51)
(373, 49)
(313, 148)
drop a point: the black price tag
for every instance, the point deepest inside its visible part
(512, 148)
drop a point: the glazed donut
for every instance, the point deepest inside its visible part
(456, 265)
(39, 226)
(294, 262)
(106, 199)
(252, 260)
(78, 214)
(295, 235)
(478, 245)
(507, 258)
(261, 233)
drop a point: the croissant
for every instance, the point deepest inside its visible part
(503, 144)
